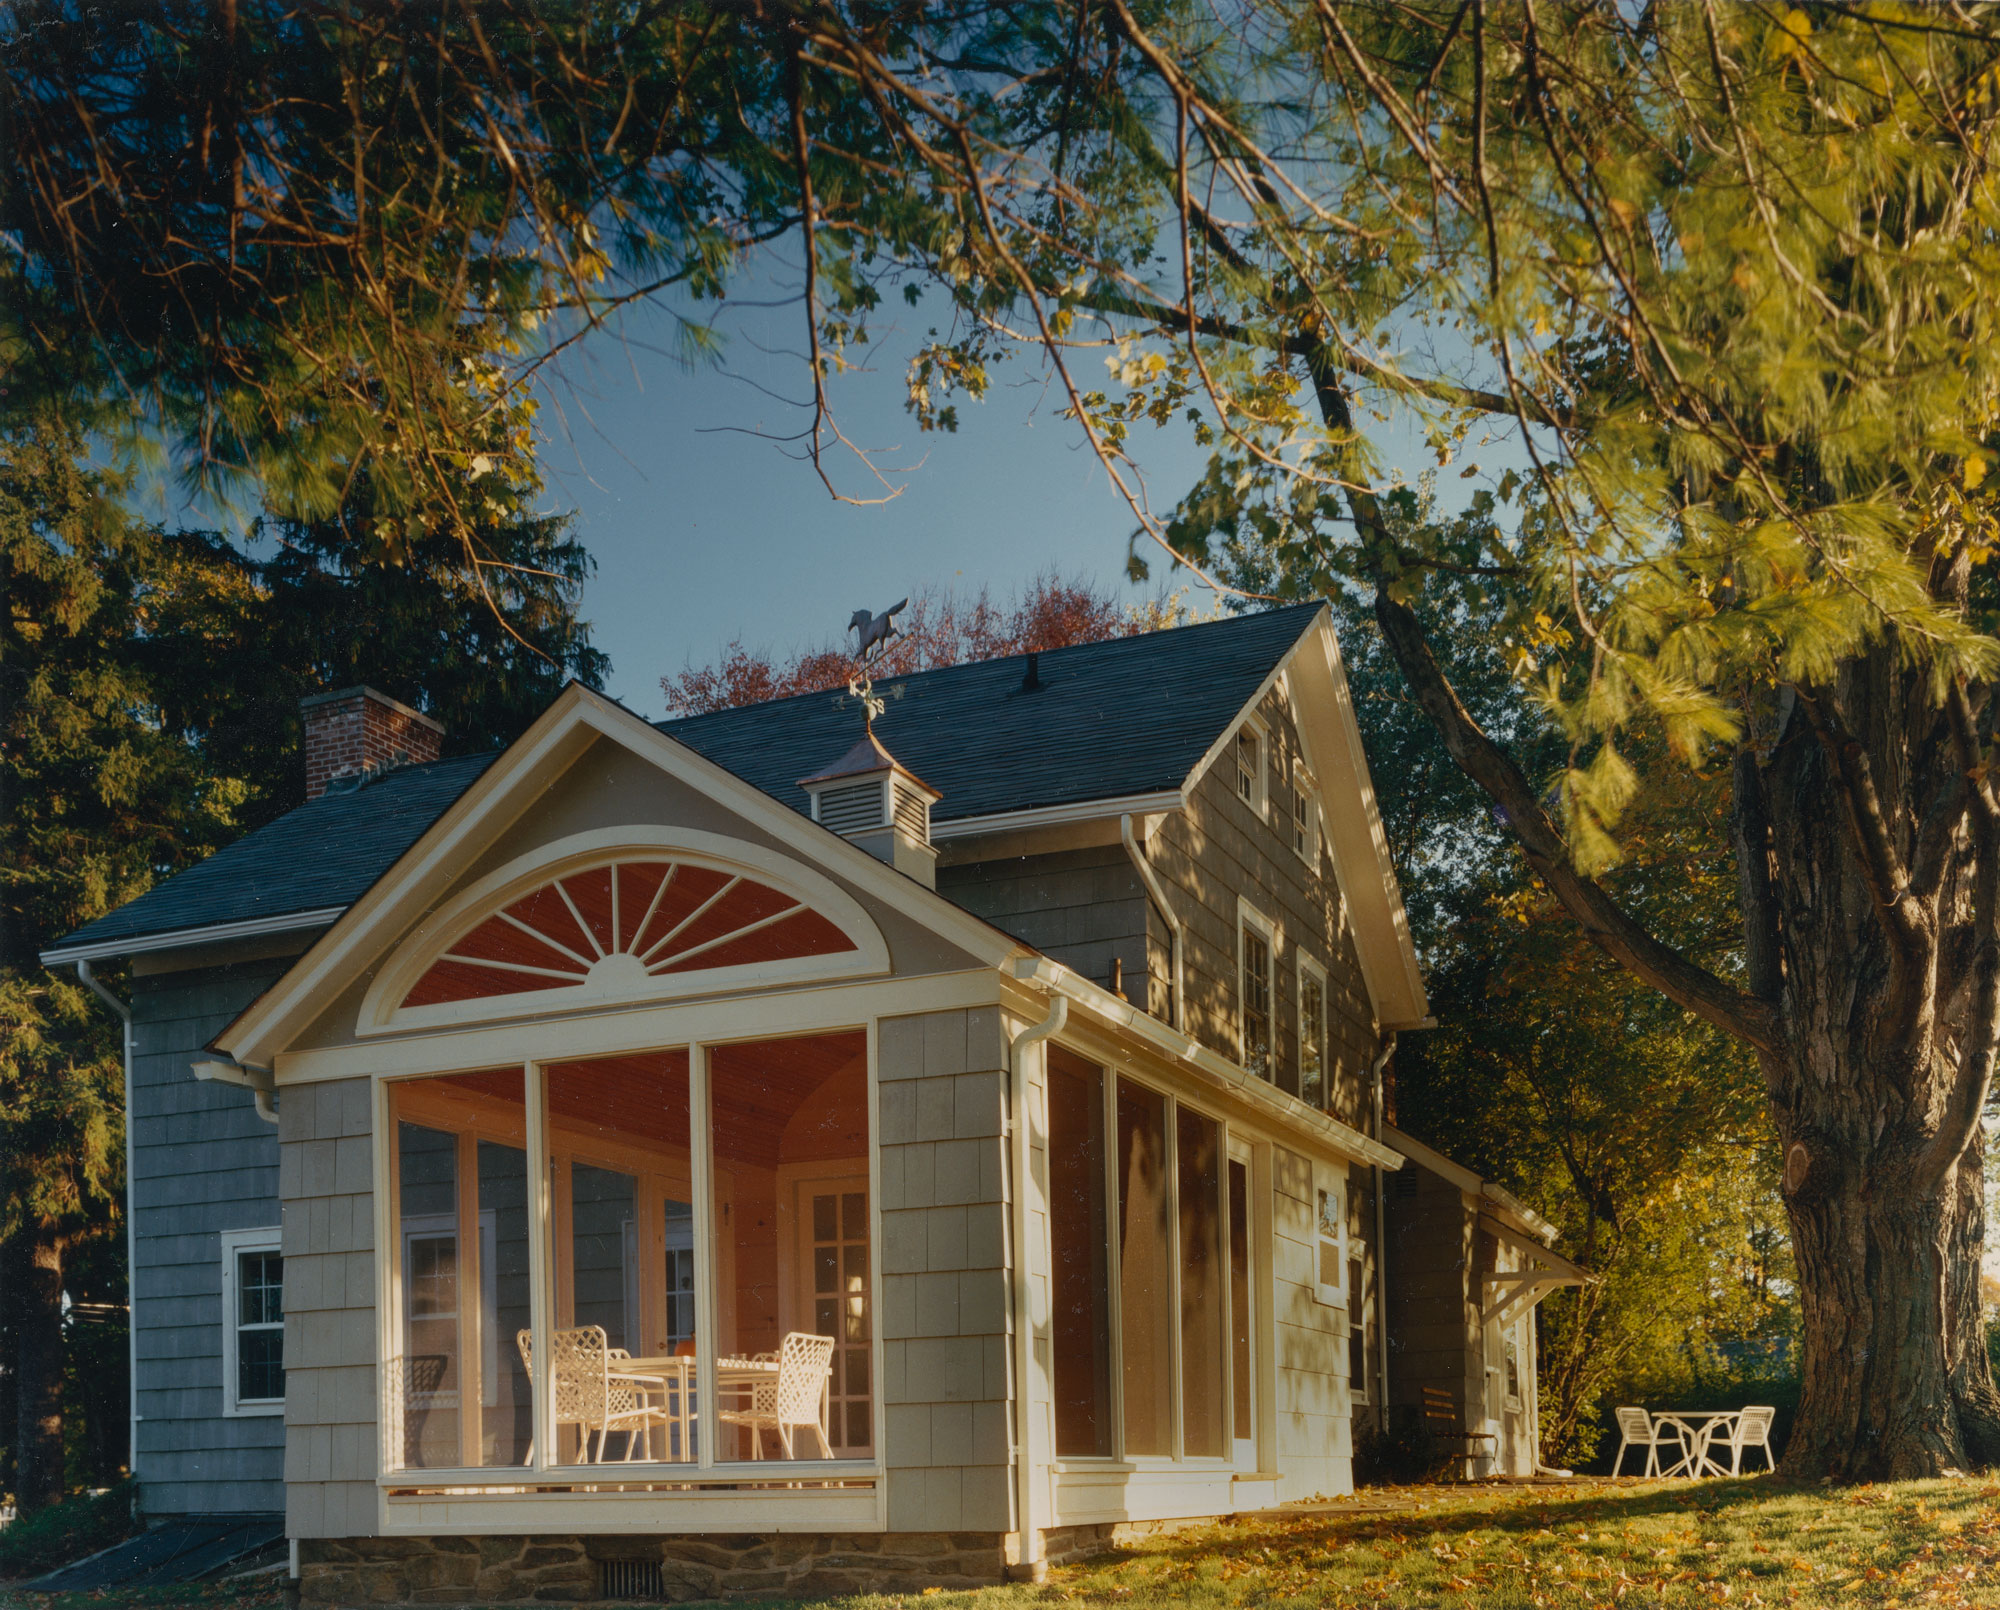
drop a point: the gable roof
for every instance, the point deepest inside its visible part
(1113, 720)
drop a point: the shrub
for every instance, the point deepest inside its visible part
(67, 1531)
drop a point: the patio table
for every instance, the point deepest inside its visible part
(673, 1376)
(1697, 1430)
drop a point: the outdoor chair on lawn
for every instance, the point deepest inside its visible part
(1443, 1426)
(593, 1394)
(795, 1401)
(1753, 1430)
(1636, 1429)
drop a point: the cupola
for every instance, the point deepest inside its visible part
(869, 798)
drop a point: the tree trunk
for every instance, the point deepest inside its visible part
(36, 1287)
(1880, 1183)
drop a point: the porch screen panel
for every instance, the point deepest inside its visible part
(1079, 1236)
(1240, 1377)
(1145, 1253)
(794, 1322)
(622, 1306)
(455, 1388)
(1203, 1295)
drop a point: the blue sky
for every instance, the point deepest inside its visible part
(706, 529)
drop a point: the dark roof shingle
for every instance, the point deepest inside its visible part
(1129, 716)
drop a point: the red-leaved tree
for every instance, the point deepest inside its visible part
(939, 628)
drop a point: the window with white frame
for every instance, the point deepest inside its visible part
(1304, 803)
(1511, 1341)
(1330, 1235)
(1313, 1086)
(1250, 766)
(253, 1322)
(1257, 949)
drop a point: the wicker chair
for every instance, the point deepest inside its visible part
(795, 1400)
(594, 1394)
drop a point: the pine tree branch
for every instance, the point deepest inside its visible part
(1608, 926)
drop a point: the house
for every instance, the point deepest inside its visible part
(765, 1150)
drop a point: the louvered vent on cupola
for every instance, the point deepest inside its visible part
(869, 798)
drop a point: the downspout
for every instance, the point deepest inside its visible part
(1151, 880)
(1030, 1567)
(97, 987)
(255, 1080)
(1381, 1247)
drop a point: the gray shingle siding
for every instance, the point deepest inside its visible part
(202, 1162)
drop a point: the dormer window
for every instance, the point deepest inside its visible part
(1250, 766)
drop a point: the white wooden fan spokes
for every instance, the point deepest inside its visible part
(611, 928)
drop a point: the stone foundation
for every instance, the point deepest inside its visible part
(499, 1570)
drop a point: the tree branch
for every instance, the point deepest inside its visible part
(1607, 925)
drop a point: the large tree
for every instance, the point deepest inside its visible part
(1721, 274)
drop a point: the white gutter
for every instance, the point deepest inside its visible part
(1030, 1567)
(1381, 1249)
(259, 1081)
(1153, 887)
(124, 1012)
(1089, 810)
(1218, 1072)
(179, 938)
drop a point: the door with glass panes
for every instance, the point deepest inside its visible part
(831, 1216)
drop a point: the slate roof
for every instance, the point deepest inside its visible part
(1112, 719)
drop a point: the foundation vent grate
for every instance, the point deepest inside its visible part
(629, 1579)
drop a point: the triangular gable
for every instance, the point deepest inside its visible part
(1323, 708)
(427, 873)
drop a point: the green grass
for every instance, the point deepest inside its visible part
(1721, 1544)
(66, 1531)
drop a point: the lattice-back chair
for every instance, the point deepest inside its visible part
(1636, 1430)
(593, 1394)
(795, 1399)
(1753, 1430)
(1447, 1432)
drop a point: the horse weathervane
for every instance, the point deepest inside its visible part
(874, 632)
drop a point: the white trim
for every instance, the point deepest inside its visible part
(1089, 810)
(1259, 798)
(182, 938)
(1303, 801)
(509, 788)
(1248, 916)
(582, 852)
(1315, 1132)
(574, 1036)
(234, 1244)
(480, 1507)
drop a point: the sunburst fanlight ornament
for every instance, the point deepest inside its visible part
(609, 929)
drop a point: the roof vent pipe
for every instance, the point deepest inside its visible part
(1032, 681)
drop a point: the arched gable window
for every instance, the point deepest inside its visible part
(625, 924)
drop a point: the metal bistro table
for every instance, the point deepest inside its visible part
(675, 1378)
(1697, 1430)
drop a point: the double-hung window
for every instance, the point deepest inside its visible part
(1314, 1090)
(1250, 766)
(253, 1323)
(1304, 803)
(1257, 949)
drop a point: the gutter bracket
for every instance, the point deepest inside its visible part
(260, 1082)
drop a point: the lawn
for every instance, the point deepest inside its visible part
(1738, 1543)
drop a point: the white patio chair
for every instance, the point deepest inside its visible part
(1753, 1430)
(1636, 1430)
(593, 1394)
(795, 1400)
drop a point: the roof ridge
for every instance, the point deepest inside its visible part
(668, 723)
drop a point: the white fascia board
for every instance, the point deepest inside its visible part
(1439, 1164)
(1324, 709)
(500, 796)
(1091, 810)
(1283, 1111)
(187, 938)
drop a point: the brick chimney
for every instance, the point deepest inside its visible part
(356, 731)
